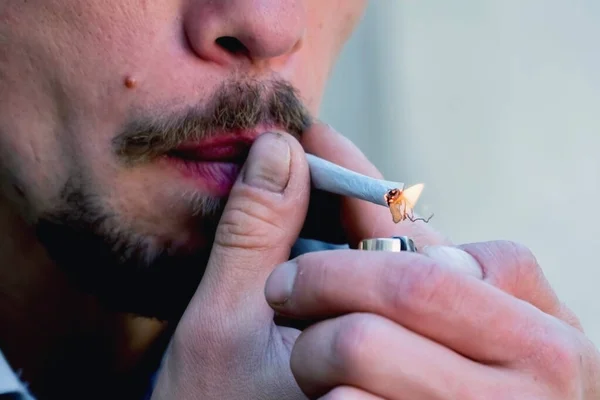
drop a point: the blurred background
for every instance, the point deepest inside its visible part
(495, 106)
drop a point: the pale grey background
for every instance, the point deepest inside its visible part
(495, 106)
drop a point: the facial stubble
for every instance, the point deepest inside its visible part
(132, 272)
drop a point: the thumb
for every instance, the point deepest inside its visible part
(259, 225)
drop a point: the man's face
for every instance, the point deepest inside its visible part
(124, 123)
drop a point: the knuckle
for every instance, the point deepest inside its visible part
(248, 225)
(560, 358)
(524, 276)
(523, 262)
(510, 266)
(524, 258)
(413, 288)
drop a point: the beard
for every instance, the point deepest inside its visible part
(131, 272)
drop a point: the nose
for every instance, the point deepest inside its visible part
(227, 31)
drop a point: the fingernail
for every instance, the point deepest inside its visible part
(454, 258)
(268, 163)
(280, 283)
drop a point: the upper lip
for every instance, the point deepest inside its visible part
(221, 148)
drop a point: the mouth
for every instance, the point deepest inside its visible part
(213, 164)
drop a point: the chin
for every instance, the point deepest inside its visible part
(128, 275)
(151, 272)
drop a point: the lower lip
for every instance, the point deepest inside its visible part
(216, 178)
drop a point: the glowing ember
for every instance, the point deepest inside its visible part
(402, 202)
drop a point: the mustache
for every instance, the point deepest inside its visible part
(234, 106)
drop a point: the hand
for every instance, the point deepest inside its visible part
(477, 321)
(433, 326)
(226, 345)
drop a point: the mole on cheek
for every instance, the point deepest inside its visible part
(130, 82)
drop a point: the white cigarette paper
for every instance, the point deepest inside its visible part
(330, 177)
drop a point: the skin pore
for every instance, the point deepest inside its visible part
(97, 234)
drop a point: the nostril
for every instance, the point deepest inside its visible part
(232, 45)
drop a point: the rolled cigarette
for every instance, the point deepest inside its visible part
(330, 177)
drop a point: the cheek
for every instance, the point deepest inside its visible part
(330, 24)
(108, 47)
(63, 84)
(333, 21)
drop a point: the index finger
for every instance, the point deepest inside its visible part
(361, 219)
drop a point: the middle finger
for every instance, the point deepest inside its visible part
(376, 355)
